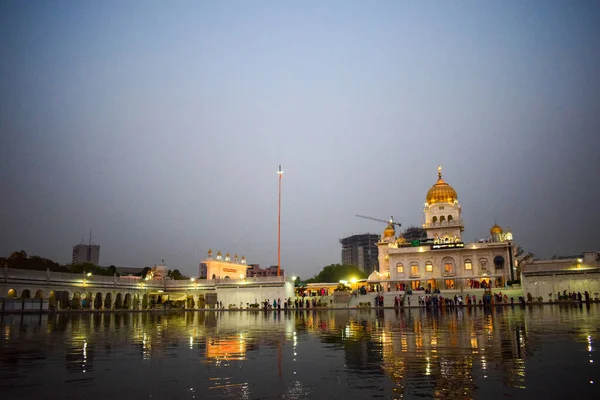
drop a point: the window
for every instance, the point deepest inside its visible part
(441, 207)
(434, 220)
(400, 268)
(499, 262)
(429, 267)
(442, 218)
(468, 265)
(414, 270)
(449, 218)
(482, 265)
(448, 263)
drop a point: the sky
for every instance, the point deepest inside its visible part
(160, 126)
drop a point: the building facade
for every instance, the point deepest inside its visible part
(255, 271)
(443, 260)
(361, 251)
(89, 253)
(223, 268)
(549, 278)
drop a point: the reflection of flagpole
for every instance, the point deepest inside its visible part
(279, 357)
(279, 172)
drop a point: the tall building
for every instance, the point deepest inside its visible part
(86, 253)
(361, 251)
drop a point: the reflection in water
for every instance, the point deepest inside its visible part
(446, 354)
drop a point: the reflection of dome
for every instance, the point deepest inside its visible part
(495, 229)
(389, 231)
(441, 192)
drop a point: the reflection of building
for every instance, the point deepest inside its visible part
(89, 253)
(223, 268)
(360, 251)
(233, 348)
(255, 271)
(443, 260)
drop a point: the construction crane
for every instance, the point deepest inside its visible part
(391, 221)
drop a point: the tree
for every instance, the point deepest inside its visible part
(522, 258)
(145, 272)
(336, 272)
(112, 270)
(175, 274)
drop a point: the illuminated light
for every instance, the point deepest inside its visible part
(160, 291)
(89, 274)
(353, 280)
(294, 278)
(192, 279)
(579, 260)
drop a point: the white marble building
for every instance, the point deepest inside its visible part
(444, 261)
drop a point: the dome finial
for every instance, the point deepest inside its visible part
(439, 171)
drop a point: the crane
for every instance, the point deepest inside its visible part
(391, 221)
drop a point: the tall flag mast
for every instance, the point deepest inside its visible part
(280, 173)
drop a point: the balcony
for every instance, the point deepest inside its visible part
(454, 222)
(414, 275)
(449, 273)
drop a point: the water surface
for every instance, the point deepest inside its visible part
(542, 352)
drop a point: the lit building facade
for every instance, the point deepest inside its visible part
(223, 268)
(443, 260)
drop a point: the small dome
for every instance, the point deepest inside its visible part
(389, 231)
(495, 229)
(441, 192)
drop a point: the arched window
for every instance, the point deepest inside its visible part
(468, 265)
(442, 219)
(483, 265)
(449, 218)
(434, 220)
(448, 265)
(414, 269)
(428, 266)
(499, 262)
(400, 268)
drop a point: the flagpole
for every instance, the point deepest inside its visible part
(280, 173)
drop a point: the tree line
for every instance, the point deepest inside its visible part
(21, 260)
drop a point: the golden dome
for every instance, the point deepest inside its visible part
(401, 240)
(441, 192)
(495, 229)
(389, 231)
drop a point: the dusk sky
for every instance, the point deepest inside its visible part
(160, 125)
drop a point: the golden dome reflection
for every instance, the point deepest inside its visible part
(441, 192)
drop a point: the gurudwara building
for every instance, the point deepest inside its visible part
(443, 260)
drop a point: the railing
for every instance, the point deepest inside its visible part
(449, 273)
(454, 222)
(62, 278)
(414, 275)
